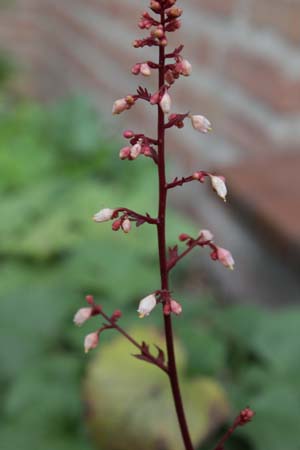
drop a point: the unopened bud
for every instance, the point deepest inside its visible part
(245, 416)
(183, 237)
(116, 315)
(165, 103)
(116, 225)
(200, 176)
(174, 12)
(158, 33)
(154, 98)
(104, 215)
(126, 226)
(176, 307)
(167, 309)
(91, 341)
(155, 6)
(90, 299)
(82, 315)
(219, 186)
(124, 152)
(135, 70)
(147, 150)
(127, 134)
(146, 305)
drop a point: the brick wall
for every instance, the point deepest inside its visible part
(245, 56)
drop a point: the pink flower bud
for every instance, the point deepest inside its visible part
(119, 106)
(183, 237)
(245, 416)
(165, 103)
(127, 134)
(104, 215)
(155, 6)
(116, 225)
(200, 123)
(82, 315)
(135, 150)
(116, 315)
(124, 152)
(225, 257)
(135, 70)
(174, 12)
(205, 236)
(167, 309)
(154, 98)
(145, 70)
(91, 341)
(90, 299)
(219, 186)
(126, 226)
(146, 305)
(200, 176)
(158, 33)
(176, 307)
(147, 150)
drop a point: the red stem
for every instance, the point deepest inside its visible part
(161, 232)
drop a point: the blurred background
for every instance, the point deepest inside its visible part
(62, 64)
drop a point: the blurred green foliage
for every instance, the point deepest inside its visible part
(57, 168)
(138, 403)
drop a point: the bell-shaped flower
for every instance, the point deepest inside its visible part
(91, 341)
(225, 257)
(219, 186)
(146, 305)
(119, 106)
(165, 103)
(145, 70)
(135, 150)
(205, 236)
(82, 315)
(104, 215)
(200, 123)
(126, 226)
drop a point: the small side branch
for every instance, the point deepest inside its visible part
(139, 218)
(145, 354)
(243, 418)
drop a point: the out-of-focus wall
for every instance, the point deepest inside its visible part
(245, 55)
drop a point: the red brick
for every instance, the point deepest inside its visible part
(268, 188)
(263, 80)
(278, 15)
(218, 7)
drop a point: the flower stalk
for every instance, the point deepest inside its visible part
(154, 148)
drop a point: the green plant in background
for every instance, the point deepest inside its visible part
(51, 254)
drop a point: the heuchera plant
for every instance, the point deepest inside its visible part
(170, 66)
